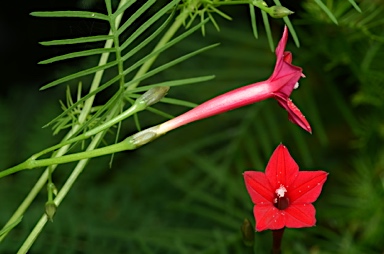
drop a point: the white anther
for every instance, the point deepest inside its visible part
(281, 191)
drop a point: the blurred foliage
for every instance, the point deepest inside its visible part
(184, 193)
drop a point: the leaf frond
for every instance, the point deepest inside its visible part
(70, 14)
(83, 53)
(169, 64)
(135, 16)
(326, 10)
(173, 83)
(79, 74)
(87, 39)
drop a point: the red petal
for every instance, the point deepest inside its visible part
(307, 186)
(300, 215)
(287, 57)
(285, 75)
(295, 116)
(268, 217)
(258, 187)
(281, 168)
(281, 46)
(284, 68)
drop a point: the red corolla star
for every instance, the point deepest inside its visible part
(283, 194)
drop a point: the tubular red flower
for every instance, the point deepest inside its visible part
(279, 86)
(283, 194)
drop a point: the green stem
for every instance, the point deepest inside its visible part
(127, 113)
(32, 163)
(35, 189)
(59, 198)
(116, 43)
(50, 185)
(230, 2)
(261, 5)
(121, 146)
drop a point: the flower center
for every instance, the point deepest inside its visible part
(281, 202)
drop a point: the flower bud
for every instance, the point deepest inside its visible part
(50, 209)
(145, 136)
(278, 11)
(248, 233)
(153, 95)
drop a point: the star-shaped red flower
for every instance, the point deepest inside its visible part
(283, 194)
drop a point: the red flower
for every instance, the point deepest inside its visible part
(279, 86)
(284, 79)
(283, 195)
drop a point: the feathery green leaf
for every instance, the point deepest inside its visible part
(70, 14)
(169, 64)
(268, 30)
(77, 40)
(123, 8)
(172, 83)
(135, 16)
(327, 11)
(253, 20)
(355, 5)
(83, 53)
(79, 74)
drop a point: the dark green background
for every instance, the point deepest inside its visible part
(184, 193)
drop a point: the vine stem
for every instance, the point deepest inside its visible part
(36, 188)
(81, 164)
(60, 196)
(31, 163)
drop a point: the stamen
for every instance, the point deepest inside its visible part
(281, 191)
(281, 200)
(296, 85)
